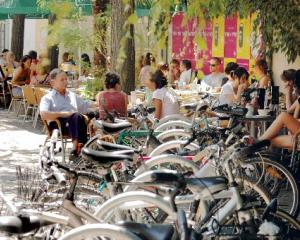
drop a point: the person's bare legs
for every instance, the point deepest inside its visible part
(283, 120)
(285, 141)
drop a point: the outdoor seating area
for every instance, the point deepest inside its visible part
(149, 120)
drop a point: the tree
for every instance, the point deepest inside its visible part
(278, 21)
(53, 51)
(17, 41)
(122, 42)
(100, 33)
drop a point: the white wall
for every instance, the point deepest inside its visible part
(279, 64)
(29, 35)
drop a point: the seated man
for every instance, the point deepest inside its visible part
(215, 79)
(64, 105)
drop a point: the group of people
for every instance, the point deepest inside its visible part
(62, 104)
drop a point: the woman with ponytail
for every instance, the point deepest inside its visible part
(164, 101)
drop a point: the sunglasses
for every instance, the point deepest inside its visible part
(212, 65)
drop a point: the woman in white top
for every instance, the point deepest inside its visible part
(231, 91)
(229, 88)
(164, 101)
(186, 73)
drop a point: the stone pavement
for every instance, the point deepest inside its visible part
(19, 145)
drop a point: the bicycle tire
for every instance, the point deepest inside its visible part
(284, 218)
(277, 170)
(100, 231)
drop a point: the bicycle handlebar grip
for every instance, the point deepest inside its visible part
(60, 178)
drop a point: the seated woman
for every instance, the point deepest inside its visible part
(21, 76)
(261, 73)
(284, 120)
(164, 102)
(288, 77)
(113, 99)
(41, 77)
(10, 65)
(232, 90)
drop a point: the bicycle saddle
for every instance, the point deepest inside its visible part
(232, 111)
(107, 158)
(145, 231)
(21, 224)
(112, 127)
(213, 184)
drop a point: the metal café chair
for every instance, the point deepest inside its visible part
(30, 102)
(14, 99)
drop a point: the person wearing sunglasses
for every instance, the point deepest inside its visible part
(215, 79)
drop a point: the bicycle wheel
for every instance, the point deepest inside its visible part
(289, 226)
(100, 231)
(277, 179)
(137, 206)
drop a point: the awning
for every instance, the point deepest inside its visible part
(8, 8)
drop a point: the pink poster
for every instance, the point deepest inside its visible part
(230, 37)
(183, 42)
(243, 63)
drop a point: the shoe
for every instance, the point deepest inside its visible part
(73, 155)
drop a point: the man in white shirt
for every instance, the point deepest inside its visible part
(186, 73)
(215, 79)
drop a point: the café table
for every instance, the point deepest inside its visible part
(254, 121)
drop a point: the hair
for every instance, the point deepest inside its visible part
(175, 61)
(33, 54)
(54, 73)
(240, 72)
(4, 50)
(24, 59)
(141, 61)
(231, 67)
(288, 75)
(163, 66)
(85, 58)
(262, 65)
(65, 55)
(297, 79)
(187, 64)
(159, 79)
(111, 80)
(218, 60)
(148, 59)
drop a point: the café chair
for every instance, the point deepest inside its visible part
(14, 99)
(29, 101)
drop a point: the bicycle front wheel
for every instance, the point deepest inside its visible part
(277, 179)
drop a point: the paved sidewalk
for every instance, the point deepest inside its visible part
(19, 145)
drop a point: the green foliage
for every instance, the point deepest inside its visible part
(279, 23)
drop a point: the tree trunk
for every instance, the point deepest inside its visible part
(17, 41)
(122, 44)
(100, 26)
(53, 51)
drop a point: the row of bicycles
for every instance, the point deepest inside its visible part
(179, 178)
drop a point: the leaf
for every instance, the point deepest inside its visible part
(132, 19)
